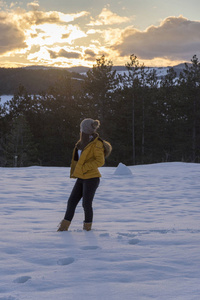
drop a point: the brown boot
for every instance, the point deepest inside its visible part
(64, 225)
(87, 226)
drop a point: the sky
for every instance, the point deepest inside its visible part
(62, 33)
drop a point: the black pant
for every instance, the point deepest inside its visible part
(83, 188)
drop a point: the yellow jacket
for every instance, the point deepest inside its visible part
(92, 157)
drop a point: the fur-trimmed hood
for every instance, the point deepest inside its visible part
(107, 147)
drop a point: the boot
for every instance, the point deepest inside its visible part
(64, 225)
(87, 226)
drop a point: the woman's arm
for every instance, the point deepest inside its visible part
(97, 161)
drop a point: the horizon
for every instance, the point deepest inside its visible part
(89, 67)
(67, 34)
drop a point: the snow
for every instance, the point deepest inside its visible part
(5, 98)
(145, 241)
(122, 170)
(159, 71)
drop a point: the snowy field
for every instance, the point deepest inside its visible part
(145, 242)
(5, 98)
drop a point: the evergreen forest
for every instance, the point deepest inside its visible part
(146, 118)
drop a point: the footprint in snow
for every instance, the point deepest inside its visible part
(104, 235)
(65, 261)
(134, 242)
(22, 279)
(90, 248)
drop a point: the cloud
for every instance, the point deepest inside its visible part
(89, 52)
(46, 35)
(72, 32)
(35, 17)
(33, 5)
(64, 53)
(11, 37)
(107, 17)
(175, 38)
(38, 17)
(111, 35)
(89, 55)
(18, 27)
(66, 35)
(34, 49)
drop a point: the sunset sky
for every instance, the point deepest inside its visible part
(64, 33)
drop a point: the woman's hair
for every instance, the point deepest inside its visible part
(85, 139)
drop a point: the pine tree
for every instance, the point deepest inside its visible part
(20, 151)
(136, 84)
(169, 117)
(2, 134)
(189, 82)
(100, 84)
(58, 123)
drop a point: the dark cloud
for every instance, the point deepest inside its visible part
(40, 17)
(53, 54)
(175, 38)
(64, 53)
(11, 37)
(66, 35)
(89, 55)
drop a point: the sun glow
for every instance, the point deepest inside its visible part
(51, 34)
(45, 34)
(41, 56)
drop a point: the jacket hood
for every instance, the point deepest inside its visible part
(107, 148)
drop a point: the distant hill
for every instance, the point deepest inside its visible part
(37, 79)
(81, 69)
(161, 71)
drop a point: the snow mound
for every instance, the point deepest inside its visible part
(122, 170)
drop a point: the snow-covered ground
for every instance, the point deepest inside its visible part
(5, 98)
(159, 71)
(145, 242)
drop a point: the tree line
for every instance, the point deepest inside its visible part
(147, 119)
(36, 80)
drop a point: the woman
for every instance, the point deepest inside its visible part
(88, 155)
